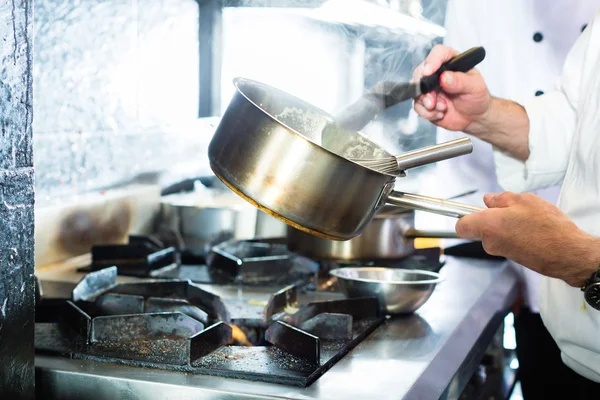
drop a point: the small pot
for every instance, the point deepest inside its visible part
(202, 227)
(389, 236)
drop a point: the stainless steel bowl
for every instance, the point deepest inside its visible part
(399, 291)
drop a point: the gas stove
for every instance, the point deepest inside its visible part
(250, 310)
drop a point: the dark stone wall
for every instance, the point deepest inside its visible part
(16, 201)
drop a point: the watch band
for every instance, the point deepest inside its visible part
(591, 290)
(595, 277)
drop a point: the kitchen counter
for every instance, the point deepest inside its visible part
(429, 355)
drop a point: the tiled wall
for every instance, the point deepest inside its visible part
(16, 202)
(116, 91)
(117, 84)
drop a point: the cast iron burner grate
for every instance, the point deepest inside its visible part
(142, 256)
(175, 325)
(245, 262)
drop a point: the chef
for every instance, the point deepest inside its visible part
(548, 140)
(527, 43)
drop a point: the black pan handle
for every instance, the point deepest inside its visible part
(463, 62)
(470, 250)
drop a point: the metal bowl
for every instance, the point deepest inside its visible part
(399, 291)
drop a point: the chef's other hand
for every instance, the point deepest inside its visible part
(463, 98)
(534, 233)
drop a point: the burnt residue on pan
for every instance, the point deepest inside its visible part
(274, 214)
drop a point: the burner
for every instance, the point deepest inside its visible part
(249, 263)
(175, 325)
(141, 257)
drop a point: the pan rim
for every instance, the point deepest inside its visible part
(436, 277)
(238, 80)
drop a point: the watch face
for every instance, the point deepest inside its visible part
(592, 295)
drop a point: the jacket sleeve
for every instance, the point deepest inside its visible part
(552, 125)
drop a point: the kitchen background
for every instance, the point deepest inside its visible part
(126, 89)
(127, 94)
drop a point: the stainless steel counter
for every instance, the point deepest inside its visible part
(429, 355)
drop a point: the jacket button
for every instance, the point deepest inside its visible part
(583, 27)
(539, 93)
(537, 37)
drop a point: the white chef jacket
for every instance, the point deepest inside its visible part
(526, 42)
(564, 144)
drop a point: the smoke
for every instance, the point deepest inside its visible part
(397, 36)
(370, 41)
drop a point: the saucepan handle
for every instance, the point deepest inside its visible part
(431, 204)
(435, 153)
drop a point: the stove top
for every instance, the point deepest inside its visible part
(177, 325)
(248, 310)
(247, 262)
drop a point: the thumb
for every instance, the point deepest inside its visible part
(461, 83)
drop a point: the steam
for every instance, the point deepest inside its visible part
(372, 40)
(398, 35)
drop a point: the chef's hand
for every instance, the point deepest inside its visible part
(463, 99)
(534, 233)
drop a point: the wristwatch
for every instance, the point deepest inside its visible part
(591, 290)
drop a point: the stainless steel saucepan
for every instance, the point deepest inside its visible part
(267, 149)
(389, 236)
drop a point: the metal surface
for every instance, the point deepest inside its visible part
(430, 204)
(358, 308)
(280, 300)
(201, 228)
(115, 304)
(206, 301)
(398, 291)
(329, 326)
(294, 341)
(267, 150)
(142, 256)
(157, 304)
(389, 236)
(382, 239)
(420, 233)
(413, 357)
(210, 50)
(416, 158)
(117, 328)
(118, 304)
(168, 341)
(95, 283)
(250, 261)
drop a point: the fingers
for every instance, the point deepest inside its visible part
(469, 227)
(431, 106)
(431, 115)
(503, 200)
(442, 104)
(438, 55)
(461, 83)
